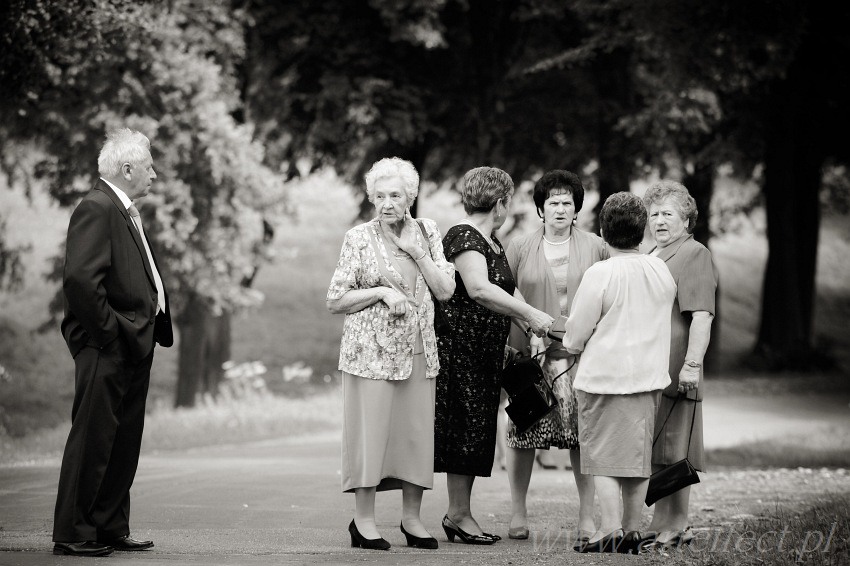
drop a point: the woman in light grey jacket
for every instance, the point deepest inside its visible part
(387, 271)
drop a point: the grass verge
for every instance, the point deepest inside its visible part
(818, 536)
(224, 420)
(829, 448)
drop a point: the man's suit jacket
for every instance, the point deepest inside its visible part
(108, 284)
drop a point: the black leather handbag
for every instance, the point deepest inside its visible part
(676, 476)
(531, 395)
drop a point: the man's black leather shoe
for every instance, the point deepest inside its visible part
(129, 543)
(85, 548)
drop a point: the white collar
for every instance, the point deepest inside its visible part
(122, 196)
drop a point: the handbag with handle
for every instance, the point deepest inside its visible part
(531, 395)
(676, 476)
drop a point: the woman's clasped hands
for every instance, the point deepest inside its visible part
(539, 322)
(395, 300)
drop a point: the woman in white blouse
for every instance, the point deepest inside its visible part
(387, 271)
(620, 323)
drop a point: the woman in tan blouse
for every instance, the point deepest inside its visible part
(548, 266)
(387, 271)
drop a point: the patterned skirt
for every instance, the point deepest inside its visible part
(558, 429)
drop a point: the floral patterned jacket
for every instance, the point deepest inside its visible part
(374, 344)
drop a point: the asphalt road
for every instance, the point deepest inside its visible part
(279, 502)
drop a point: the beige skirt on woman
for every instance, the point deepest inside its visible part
(388, 430)
(615, 432)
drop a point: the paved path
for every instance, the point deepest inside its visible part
(278, 502)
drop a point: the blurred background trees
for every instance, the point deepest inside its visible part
(616, 89)
(240, 96)
(169, 70)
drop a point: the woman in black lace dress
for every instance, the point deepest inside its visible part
(471, 342)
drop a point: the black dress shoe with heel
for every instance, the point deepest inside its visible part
(359, 541)
(84, 548)
(630, 543)
(452, 531)
(608, 543)
(128, 543)
(428, 543)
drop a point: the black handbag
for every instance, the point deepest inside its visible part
(676, 476)
(531, 395)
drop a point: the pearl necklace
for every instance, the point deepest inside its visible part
(551, 243)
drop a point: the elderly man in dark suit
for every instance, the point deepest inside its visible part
(116, 307)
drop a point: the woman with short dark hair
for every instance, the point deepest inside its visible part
(620, 323)
(548, 265)
(471, 342)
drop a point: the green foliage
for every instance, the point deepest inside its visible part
(344, 83)
(11, 262)
(171, 73)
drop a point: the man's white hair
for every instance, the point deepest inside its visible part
(122, 146)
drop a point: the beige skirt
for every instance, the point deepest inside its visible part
(615, 433)
(388, 430)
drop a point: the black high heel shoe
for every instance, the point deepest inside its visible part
(358, 540)
(609, 543)
(452, 531)
(631, 543)
(428, 543)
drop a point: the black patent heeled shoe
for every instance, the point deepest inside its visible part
(359, 541)
(582, 538)
(428, 543)
(630, 544)
(452, 531)
(608, 543)
(678, 542)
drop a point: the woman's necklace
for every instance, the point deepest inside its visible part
(493, 245)
(551, 243)
(397, 252)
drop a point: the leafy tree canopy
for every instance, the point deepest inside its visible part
(83, 67)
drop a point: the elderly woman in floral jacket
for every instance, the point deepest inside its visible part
(387, 272)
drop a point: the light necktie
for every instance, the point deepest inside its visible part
(160, 290)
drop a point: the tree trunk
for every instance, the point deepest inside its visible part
(791, 185)
(613, 82)
(614, 172)
(204, 347)
(700, 184)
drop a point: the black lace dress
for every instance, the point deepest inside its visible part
(471, 344)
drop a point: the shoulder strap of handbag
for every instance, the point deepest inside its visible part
(693, 419)
(382, 267)
(425, 236)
